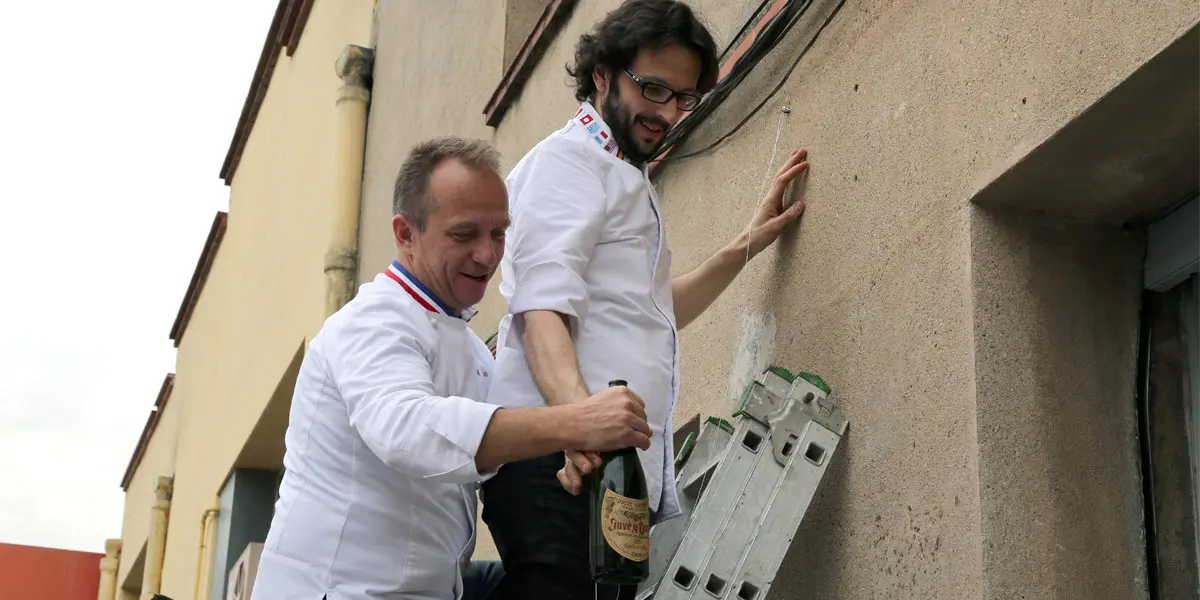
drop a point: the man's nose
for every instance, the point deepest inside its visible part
(487, 253)
(669, 112)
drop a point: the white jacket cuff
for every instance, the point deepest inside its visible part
(462, 425)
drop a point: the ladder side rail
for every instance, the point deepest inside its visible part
(764, 555)
(712, 515)
(748, 510)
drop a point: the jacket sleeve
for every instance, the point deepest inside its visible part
(559, 216)
(384, 375)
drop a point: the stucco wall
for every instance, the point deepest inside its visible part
(157, 461)
(908, 108)
(266, 290)
(1056, 324)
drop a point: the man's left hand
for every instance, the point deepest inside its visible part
(770, 218)
(577, 465)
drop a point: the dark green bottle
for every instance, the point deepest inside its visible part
(619, 527)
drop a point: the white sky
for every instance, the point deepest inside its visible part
(114, 121)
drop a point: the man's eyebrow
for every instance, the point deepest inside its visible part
(653, 79)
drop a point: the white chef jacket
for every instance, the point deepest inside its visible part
(586, 241)
(378, 494)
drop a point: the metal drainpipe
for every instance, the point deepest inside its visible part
(156, 541)
(353, 97)
(108, 570)
(204, 557)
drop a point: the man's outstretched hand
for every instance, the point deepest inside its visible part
(770, 218)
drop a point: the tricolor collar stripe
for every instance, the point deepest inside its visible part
(400, 280)
(419, 292)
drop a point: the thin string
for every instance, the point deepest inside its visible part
(767, 176)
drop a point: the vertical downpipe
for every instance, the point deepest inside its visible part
(353, 97)
(204, 563)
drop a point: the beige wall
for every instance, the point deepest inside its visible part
(157, 461)
(925, 314)
(266, 291)
(1053, 380)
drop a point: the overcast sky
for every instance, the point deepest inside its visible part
(114, 121)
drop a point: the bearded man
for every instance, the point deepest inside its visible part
(587, 276)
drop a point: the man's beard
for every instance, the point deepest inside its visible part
(621, 120)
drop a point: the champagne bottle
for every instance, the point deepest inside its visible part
(619, 528)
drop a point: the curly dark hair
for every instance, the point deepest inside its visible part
(637, 25)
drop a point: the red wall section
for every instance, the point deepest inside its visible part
(32, 572)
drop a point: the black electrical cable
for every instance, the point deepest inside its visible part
(745, 26)
(766, 40)
(1144, 392)
(677, 135)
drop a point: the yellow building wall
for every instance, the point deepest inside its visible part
(157, 461)
(266, 290)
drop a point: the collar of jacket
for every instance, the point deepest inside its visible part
(423, 295)
(590, 119)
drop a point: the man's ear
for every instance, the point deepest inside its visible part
(600, 79)
(403, 231)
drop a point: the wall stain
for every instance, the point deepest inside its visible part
(906, 550)
(754, 350)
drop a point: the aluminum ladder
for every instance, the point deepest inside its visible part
(744, 489)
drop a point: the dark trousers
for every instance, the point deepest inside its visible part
(541, 532)
(480, 580)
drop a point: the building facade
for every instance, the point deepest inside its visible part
(201, 484)
(973, 273)
(996, 272)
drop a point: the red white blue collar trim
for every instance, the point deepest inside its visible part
(423, 295)
(590, 119)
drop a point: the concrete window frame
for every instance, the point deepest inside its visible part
(1171, 280)
(1173, 247)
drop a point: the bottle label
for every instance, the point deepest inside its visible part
(626, 525)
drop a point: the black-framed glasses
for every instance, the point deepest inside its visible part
(661, 94)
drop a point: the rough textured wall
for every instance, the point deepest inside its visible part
(1056, 322)
(870, 292)
(266, 290)
(908, 108)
